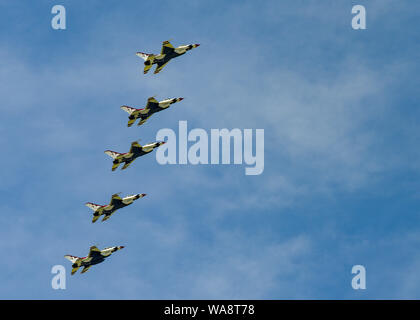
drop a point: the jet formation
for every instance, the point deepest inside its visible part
(153, 106)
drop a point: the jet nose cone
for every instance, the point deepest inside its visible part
(197, 44)
(144, 194)
(163, 142)
(122, 247)
(180, 99)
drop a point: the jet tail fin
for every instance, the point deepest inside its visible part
(92, 206)
(72, 259)
(112, 154)
(96, 216)
(144, 56)
(128, 109)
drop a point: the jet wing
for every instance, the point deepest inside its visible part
(115, 199)
(115, 196)
(126, 165)
(167, 47)
(160, 66)
(152, 105)
(94, 252)
(135, 147)
(85, 269)
(151, 102)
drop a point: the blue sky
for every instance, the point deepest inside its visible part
(341, 179)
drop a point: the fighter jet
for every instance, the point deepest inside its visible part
(115, 204)
(152, 107)
(95, 256)
(168, 52)
(136, 151)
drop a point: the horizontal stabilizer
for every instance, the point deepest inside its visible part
(95, 217)
(74, 270)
